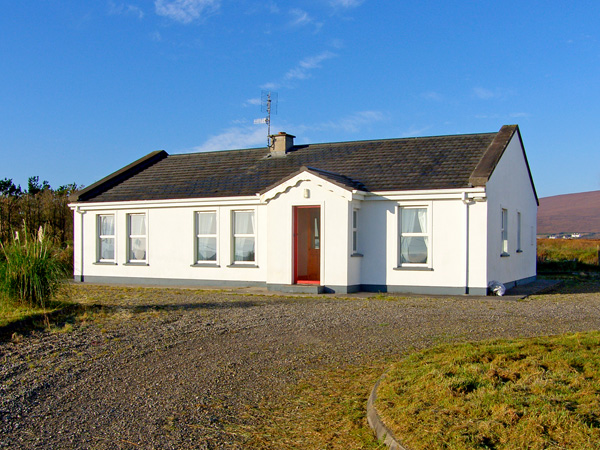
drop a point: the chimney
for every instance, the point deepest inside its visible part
(281, 143)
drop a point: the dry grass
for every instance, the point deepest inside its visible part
(325, 411)
(557, 250)
(536, 393)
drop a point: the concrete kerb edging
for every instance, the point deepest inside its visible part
(382, 432)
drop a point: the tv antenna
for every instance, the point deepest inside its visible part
(268, 104)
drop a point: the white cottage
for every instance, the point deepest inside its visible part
(437, 215)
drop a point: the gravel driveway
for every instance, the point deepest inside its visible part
(172, 368)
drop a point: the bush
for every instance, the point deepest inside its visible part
(31, 272)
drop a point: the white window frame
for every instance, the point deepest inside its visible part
(130, 237)
(198, 235)
(100, 236)
(234, 236)
(519, 233)
(428, 234)
(355, 230)
(504, 231)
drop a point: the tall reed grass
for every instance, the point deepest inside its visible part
(31, 270)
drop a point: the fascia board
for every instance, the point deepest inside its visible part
(173, 203)
(432, 194)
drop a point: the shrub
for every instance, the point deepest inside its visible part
(31, 271)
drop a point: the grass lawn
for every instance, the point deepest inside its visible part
(537, 393)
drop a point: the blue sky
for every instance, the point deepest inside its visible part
(88, 87)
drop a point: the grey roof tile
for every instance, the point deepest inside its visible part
(438, 162)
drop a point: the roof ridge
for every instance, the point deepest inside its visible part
(400, 138)
(408, 138)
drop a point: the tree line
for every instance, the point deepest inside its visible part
(39, 205)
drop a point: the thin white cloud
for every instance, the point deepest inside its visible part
(518, 115)
(253, 102)
(351, 123)
(358, 120)
(185, 11)
(345, 3)
(302, 18)
(250, 136)
(496, 116)
(432, 95)
(270, 86)
(414, 131)
(304, 67)
(235, 138)
(484, 94)
(123, 9)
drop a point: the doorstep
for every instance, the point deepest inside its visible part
(297, 288)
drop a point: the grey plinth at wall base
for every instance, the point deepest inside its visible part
(313, 288)
(382, 432)
(297, 288)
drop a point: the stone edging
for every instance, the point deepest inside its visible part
(382, 432)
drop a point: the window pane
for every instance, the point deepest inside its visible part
(207, 223)
(414, 220)
(414, 250)
(107, 225)
(243, 222)
(207, 249)
(137, 249)
(244, 249)
(137, 225)
(107, 248)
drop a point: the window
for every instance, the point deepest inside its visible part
(137, 245)
(414, 236)
(244, 236)
(106, 238)
(355, 231)
(504, 231)
(206, 236)
(519, 232)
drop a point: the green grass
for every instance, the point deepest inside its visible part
(535, 393)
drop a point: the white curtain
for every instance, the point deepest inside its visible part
(244, 222)
(107, 225)
(413, 249)
(207, 223)
(137, 224)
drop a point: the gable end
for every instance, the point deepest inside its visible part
(488, 162)
(117, 177)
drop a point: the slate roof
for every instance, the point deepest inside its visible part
(439, 162)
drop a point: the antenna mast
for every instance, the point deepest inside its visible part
(268, 104)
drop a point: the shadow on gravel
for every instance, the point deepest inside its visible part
(41, 321)
(574, 284)
(176, 306)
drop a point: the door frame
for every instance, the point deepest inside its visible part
(295, 244)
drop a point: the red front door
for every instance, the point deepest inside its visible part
(307, 244)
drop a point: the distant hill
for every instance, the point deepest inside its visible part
(570, 213)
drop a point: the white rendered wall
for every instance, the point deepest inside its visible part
(334, 231)
(170, 245)
(510, 188)
(448, 266)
